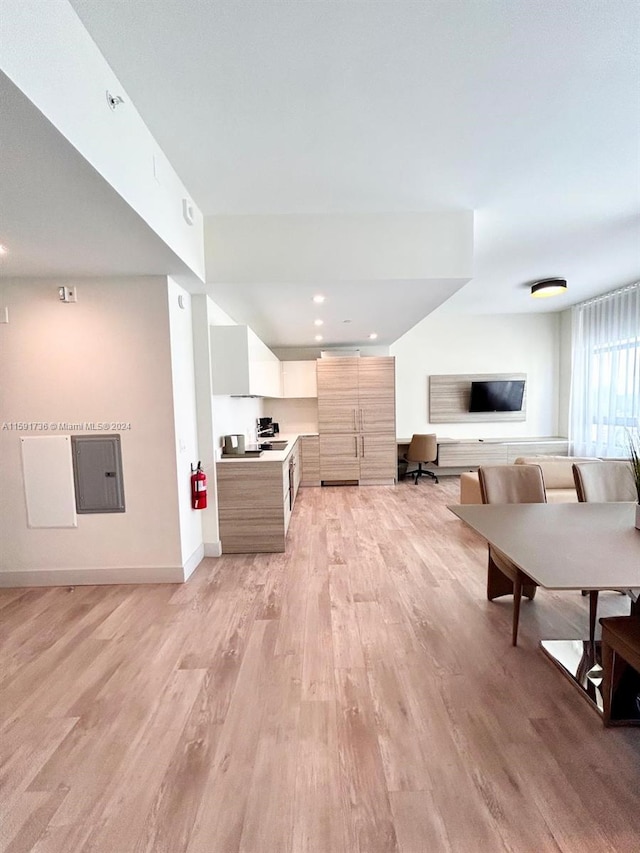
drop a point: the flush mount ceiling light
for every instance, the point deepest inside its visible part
(549, 287)
(318, 298)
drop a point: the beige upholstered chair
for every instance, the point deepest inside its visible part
(423, 449)
(602, 481)
(503, 484)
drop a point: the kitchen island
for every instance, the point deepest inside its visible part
(256, 495)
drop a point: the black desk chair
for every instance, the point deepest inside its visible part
(423, 449)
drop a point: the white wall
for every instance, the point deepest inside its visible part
(185, 420)
(53, 60)
(444, 344)
(106, 358)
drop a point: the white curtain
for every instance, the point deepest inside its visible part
(605, 373)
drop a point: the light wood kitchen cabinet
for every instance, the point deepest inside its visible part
(310, 460)
(241, 365)
(337, 395)
(339, 456)
(255, 501)
(377, 395)
(357, 419)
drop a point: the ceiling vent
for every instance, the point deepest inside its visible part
(340, 353)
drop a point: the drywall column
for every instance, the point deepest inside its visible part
(185, 419)
(206, 436)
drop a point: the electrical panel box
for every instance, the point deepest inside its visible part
(97, 473)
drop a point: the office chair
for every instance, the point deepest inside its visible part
(423, 449)
(510, 484)
(602, 481)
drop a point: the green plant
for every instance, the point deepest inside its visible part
(634, 459)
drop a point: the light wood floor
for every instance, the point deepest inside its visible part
(357, 693)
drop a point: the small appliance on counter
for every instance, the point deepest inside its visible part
(233, 445)
(267, 428)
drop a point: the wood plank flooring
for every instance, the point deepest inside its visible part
(357, 693)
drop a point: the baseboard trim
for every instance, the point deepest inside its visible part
(213, 549)
(89, 577)
(193, 562)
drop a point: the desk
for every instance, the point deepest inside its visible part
(565, 546)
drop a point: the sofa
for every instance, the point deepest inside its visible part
(557, 473)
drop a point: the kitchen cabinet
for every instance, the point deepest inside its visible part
(255, 501)
(241, 365)
(299, 379)
(357, 419)
(310, 460)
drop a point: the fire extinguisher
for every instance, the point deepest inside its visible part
(198, 488)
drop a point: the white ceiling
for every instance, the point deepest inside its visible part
(527, 111)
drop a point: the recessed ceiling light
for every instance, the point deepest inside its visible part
(373, 336)
(318, 322)
(318, 298)
(3, 250)
(549, 287)
(318, 337)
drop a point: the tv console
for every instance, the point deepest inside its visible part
(470, 453)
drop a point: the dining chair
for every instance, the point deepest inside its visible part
(602, 481)
(509, 484)
(422, 449)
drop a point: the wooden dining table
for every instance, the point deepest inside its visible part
(569, 546)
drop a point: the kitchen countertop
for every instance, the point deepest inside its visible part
(268, 455)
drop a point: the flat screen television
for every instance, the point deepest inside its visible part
(497, 395)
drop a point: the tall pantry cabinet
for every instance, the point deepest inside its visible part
(357, 419)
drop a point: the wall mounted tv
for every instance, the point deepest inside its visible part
(498, 395)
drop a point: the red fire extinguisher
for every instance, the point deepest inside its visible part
(198, 488)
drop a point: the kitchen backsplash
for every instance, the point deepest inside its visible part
(294, 415)
(235, 415)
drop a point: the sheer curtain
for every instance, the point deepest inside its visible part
(605, 374)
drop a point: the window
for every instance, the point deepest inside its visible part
(605, 386)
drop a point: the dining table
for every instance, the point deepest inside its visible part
(567, 546)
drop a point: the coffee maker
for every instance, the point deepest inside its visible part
(266, 428)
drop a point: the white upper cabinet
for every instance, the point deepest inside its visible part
(299, 379)
(241, 365)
